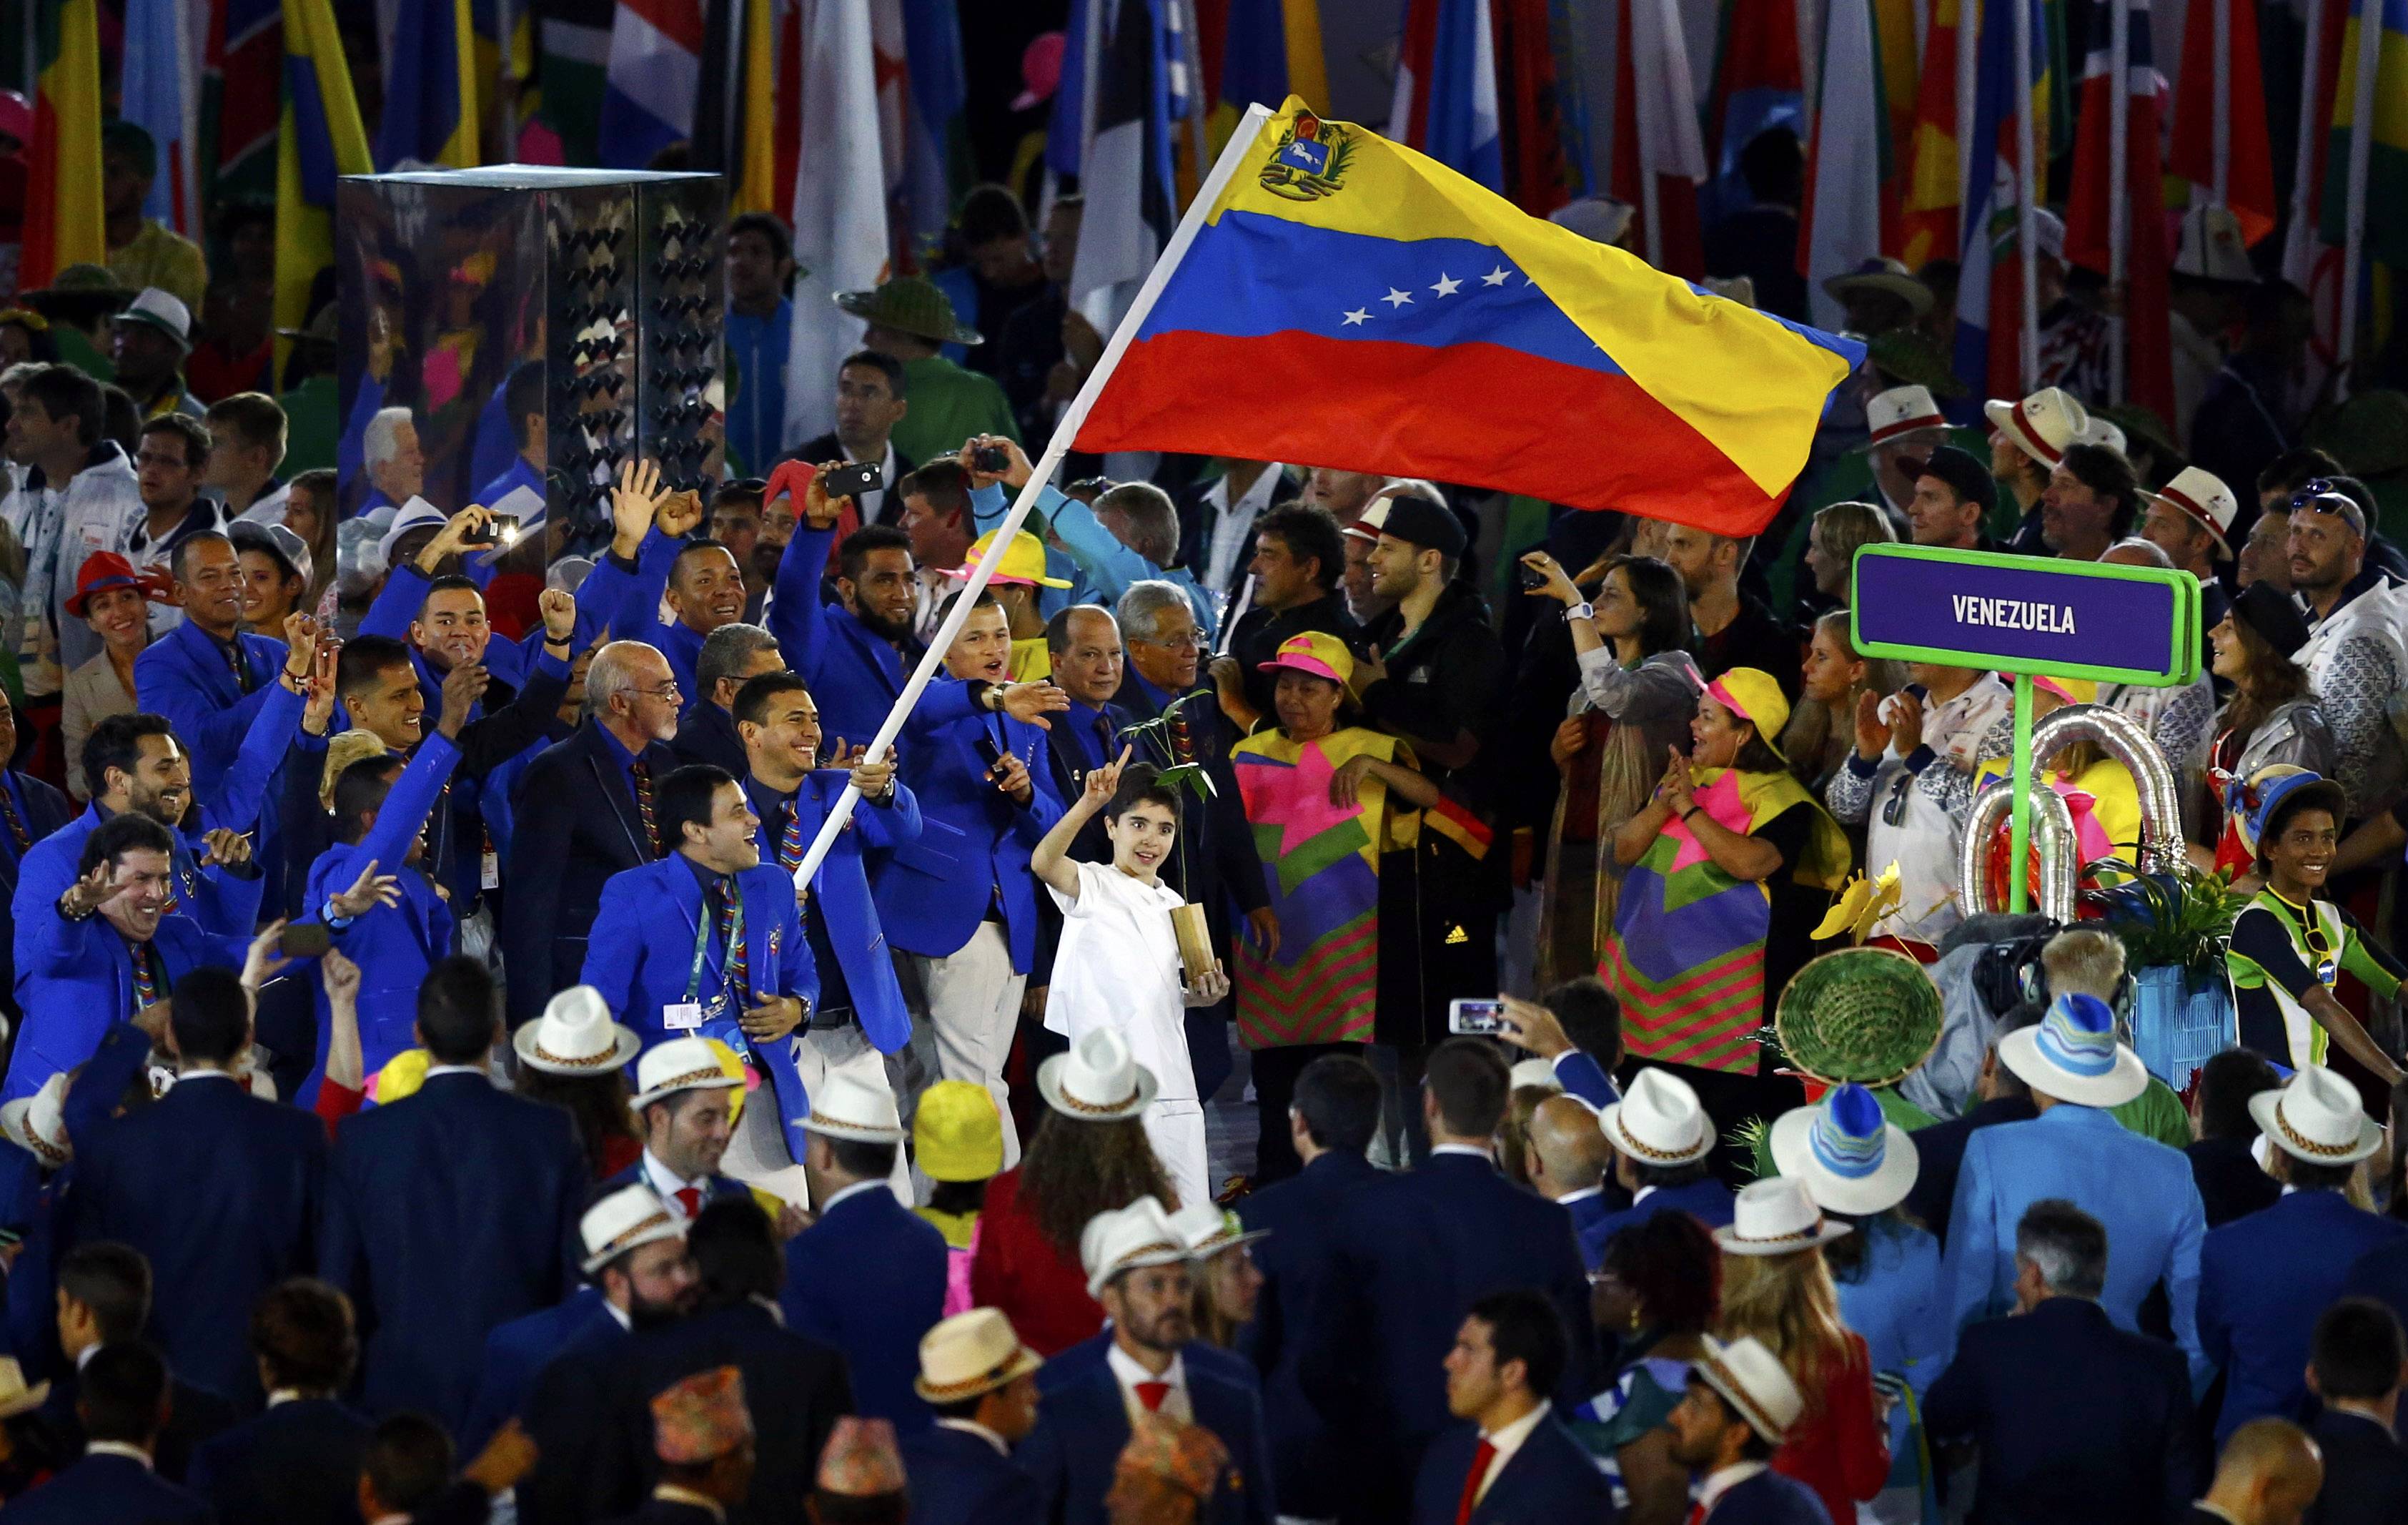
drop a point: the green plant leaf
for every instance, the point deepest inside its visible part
(1189, 776)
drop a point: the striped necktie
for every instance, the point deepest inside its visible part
(146, 977)
(641, 771)
(16, 819)
(739, 980)
(790, 841)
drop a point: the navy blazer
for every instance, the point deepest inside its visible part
(437, 1244)
(2304, 1245)
(974, 842)
(298, 1464)
(855, 676)
(707, 734)
(565, 1411)
(109, 1488)
(840, 891)
(515, 1352)
(1768, 1499)
(1082, 1428)
(223, 1193)
(2231, 1184)
(574, 824)
(1301, 1294)
(185, 676)
(875, 1320)
(40, 809)
(1550, 1478)
(958, 1478)
(1068, 1365)
(1706, 1199)
(2366, 1473)
(2077, 1420)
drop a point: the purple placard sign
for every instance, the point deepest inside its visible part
(2015, 614)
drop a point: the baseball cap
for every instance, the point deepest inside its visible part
(1967, 478)
(1314, 652)
(275, 540)
(1023, 561)
(1367, 525)
(1425, 525)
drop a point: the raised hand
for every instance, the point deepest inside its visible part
(341, 976)
(558, 607)
(318, 710)
(1556, 584)
(1872, 733)
(88, 894)
(452, 538)
(820, 511)
(1104, 782)
(230, 849)
(462, 687)
(1033, 702)
(301, 646)
(678, 512)
(633, 503)
(261, 962)
(368, 891)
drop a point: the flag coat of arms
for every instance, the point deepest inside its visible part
(1346, 300)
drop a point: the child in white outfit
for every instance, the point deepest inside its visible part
(1118, 966)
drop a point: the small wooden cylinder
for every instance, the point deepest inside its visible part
(1195, 941)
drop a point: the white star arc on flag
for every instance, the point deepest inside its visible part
(1397, 299)
(1494, 277)
(1446, 284)
(1358, 315)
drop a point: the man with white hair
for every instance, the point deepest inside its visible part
(397, 465)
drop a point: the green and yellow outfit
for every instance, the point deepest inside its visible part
(2281, 950)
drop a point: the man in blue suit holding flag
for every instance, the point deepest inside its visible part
(733, 962)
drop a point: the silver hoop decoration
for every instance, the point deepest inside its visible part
(2052, 824)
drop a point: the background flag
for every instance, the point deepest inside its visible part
(1445, 102)
(1272, 50)
(319, 138)
(573, 57)
(840, 207)
(2386, 165)
(1842, 224)
(62, 218)
(1759, 84)
(1658, 158)
(1530, 134)
(156, 91)
(1127, 178)
(2308, 261)
(2148, 259)
(1935, 171)
(241, 90)
(1989, 290)
(936, 153)
(1333, 252)
(430, 88)
(655, 78)
(2247, 185)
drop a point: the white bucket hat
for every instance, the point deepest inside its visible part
(37, 1123)
(2099, 431)
(1752, 1381)
(2213, 248)
(417, 513)
(1098, 1081)
(1207, 1229)
(627, 1219)
(2203, 495)
(849, 1107)
(682, 1064)
(2041, 424)
(1126, 1239)
(2073, 1055)
(970, 1354)
(574, 1036)
(1660, 1122)
(2316, 1117)
(1902, 410)
(1851, 1158)
(1776, 1217)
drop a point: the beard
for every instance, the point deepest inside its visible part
(897, 630)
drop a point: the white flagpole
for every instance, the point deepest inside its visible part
(1207, 198)
(2361, 148)
(2119, 221)
(2299, 240)
(2027, 187)
(1969, 83)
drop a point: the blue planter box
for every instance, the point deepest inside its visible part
(2177, 1027)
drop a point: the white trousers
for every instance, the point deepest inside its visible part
(848, 1051)
(1176, 1130)
(973, 1010)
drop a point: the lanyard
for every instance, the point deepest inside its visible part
(702, 930)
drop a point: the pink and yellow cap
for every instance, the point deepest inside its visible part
(2071, 690)
(1315, 652)
(1755, 696)
(1023, 563)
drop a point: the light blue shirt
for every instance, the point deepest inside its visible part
(1099, 565)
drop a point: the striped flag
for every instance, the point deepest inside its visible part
(1658, 158)
(242, 92)
(1127, 177)
(573, 56)
(2148, 262)
(1989, 284)
(737, 135)
(1934, 174)
(63, 216)
(1445, 101)
(840, 242)
(654, 81)
(933, 145)
(430, 88)
(1272, 51)
(2237, 173)
(156, 92)
(1842, 223)
(319, 138)
(2386, 188)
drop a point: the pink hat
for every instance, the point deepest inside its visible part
(16, 117)
(1040, 69)
(1314, 652)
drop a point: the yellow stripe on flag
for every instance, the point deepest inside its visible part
(70, 87)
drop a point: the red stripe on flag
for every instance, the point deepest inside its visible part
(680, 21)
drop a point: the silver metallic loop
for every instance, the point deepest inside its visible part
(2128, 742)
(2052, 835)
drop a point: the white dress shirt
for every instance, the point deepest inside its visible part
(666, 1184)
(1505, 1441)
(1127, 1369)
(971, 1427)
(118, 1447)
(1233, 521)
(1719, 1483)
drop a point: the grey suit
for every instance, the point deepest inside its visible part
(92, 695)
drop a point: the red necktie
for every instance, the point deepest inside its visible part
(1480, 1460)
(1696, 1515)
(1152, 1394)
(690, 1200)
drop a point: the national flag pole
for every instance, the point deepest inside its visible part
(2027, 224)
(2222, 139)
(2119, 222)
(2361, 150)
(1208, 196)
(1968, 85)
(2299, 253)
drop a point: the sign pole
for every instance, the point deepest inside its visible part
(2019, 829)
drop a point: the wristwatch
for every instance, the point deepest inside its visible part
(1582, 611)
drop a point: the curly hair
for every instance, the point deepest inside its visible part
(1670, 1263)
(1072, 1170)
(598, 1104)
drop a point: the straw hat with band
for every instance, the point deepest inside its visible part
(576, 1036)
(2207, 500)
(1851, 1157)
(1207, 1229)
(1659, 1122)
(1752, 1380)
(1128, 1239)
(1098, 1081)
(37, 1123)
(2316, 1117)
(1316, 653)
(852, 1109)
(1870, 1015)
(1776, 1217)
(969, 1355)
(2073, 1055)
(910, 305)
(626, 1219)
(1023, 563)
(2040, 426)
(1755, 696)
(682, 1064)
(957, 1133)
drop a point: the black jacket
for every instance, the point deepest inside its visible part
(1446, 689)
(707, 734)
(2231, 1183)
(2366, 1473)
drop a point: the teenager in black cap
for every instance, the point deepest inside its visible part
(1954, 496)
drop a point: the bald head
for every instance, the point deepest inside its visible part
(1568, 1151)
(2270, 1472)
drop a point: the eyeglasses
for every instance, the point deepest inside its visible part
(1894, 808)
(665, 691)
(1188, 642)
(2322, 495)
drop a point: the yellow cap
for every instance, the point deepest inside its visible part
(1754, 696)
(957, 1134)
(1023, 561)
(1317, 652)
(2071, 690)
(401, 1076)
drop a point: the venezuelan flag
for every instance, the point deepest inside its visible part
(319, 137)
(62, 218)
(1347, 301)
(2387, 160)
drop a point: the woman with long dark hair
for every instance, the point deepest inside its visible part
(2272, 718)
(575, 1058)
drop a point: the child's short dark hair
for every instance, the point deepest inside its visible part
(1142, 784)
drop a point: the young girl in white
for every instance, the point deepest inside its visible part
(1118, 963)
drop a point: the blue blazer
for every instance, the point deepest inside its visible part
(574, 824)
(1418, 1251)
(109, 1488)
(76, 981)
(1941, 1150)
(721, 1186)
(630, 599)
(973, 841)
(183, 676)
(1707, 1200)
(855, 677)
(41, 809)
(1302, 1297)
(2304, 1245)
(515, 1352)
(1082, 1428)
(1768, 1499)
(841, 893)
(437, 1245)
(298, 1464)
(876, 1320)
(2078, 1422)
(396, 609)
(957, 1478)
(2141, 1189)
(1550, 1478)
(222, 1192)
(394, 945)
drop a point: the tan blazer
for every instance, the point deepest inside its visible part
(93, 694)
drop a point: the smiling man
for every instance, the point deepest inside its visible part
(853, 653)
(650, 558)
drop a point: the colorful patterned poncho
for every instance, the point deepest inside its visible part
(1321, 864)
(1687, 957)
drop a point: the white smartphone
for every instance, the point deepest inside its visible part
(1479, 1018)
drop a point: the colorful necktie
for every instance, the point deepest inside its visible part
(1480, 1460)
(16, 833)
(641, 771)
(1152, 1394)
(731, 940)
(790, 840)
(146, 979)
(236, 659)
